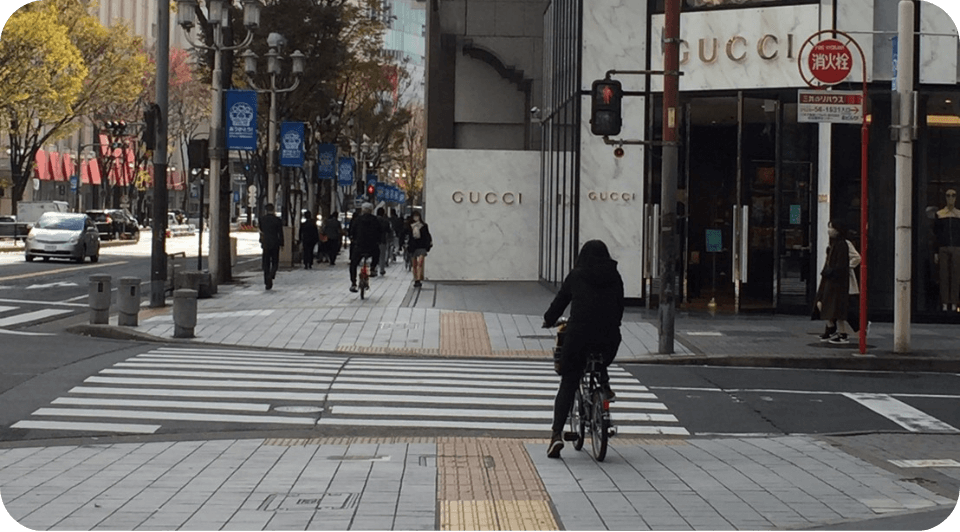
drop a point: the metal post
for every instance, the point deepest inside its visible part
(158, 256)
(904, 192)
(272, 144)
(668, 180)
(213, 256)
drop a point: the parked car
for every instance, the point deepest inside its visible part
(116, 224)
(29, 212)
(63, 235)
(11, 228)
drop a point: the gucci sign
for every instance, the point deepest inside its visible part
(490, 198)
(611, 196)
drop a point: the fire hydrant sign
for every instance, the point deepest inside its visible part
(830, 61)
(838, 107)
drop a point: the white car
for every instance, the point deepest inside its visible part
(63, 235)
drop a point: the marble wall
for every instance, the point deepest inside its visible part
(483, 210)
(739, 49)
(938, 51)
(611, 189)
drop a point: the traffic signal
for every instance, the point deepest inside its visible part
(198, 153)
(370, 191)
(606, 112)
(360, 188)
(149, 137)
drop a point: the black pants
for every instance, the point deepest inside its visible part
(270, 261)
(356, 255)
(572, 364)
(308, 253)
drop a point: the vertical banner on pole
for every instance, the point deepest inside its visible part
(347, 166)
(326, 161)
(291, 144)
(241, 130)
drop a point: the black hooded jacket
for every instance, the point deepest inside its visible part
(594, 291)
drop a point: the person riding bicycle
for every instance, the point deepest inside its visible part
(594, 291)
(364, 240)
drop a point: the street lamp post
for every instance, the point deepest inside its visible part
(273, 68)
(217, 16)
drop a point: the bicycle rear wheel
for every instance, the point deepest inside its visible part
(577, 421)
(599, 424)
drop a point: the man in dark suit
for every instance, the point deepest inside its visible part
(271, 240)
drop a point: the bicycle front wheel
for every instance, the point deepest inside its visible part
(577, 421)
(599, 425)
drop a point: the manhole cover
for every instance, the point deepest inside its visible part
(299, 409)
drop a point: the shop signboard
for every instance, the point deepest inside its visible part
(837, 107)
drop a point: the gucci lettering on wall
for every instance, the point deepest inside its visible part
(489, 198)
(611, 196)
(737, 48)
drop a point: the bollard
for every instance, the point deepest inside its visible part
(233, 251)
(184, 312)
(99, 299)
(128, 299)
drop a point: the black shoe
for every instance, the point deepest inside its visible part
(839, 339)
(417, 284)
(269, 285)
(609, 393)
(373, 274)
(353, 288)
(556, 444)
(828, 333)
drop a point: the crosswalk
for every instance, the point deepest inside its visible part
(468, 394)
(11, 316)
(172, 387)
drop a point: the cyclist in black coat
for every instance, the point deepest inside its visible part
(594, 291)
(364, 240)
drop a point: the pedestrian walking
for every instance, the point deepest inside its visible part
(364, 240)
(334, 233)
(309, 238)
(271, 240)
(837, 283)
(419, 243)
(386, 235)
(594, 291)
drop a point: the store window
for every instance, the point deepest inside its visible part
(938, 233)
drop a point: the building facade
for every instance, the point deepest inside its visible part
(756, 184)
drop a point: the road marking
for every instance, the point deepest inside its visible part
(476, 400)
(401, 411)
(482, 425)
(947, 462)
(210, 405)
(200, 382)
(174, 416)
(24, 333)
(214, 374)
(89, 427)
(58, 284)
(900, 413)
(210, 359)
(4, 309)
(60, 270)
(197, 365)
(32, 316)
(54, 303)
(210, 394)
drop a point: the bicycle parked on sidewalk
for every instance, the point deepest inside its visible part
(590, 412)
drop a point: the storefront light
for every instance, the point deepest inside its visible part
(943, 120)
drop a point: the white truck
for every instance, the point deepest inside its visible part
(29, 212)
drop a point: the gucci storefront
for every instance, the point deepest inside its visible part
(757, 185)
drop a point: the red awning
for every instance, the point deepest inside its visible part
(175, 180)
(91, 172)
(41, 166)
(68, 167)
(56, 167)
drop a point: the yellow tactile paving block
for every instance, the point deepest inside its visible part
(496, 515)
(490, 484)
(465, 334)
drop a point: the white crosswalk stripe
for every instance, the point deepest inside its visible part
(27, 317)
(168, 387)
(484, 395)
(193, 385)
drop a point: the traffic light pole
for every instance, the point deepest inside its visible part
(158, 255)
(668, 179)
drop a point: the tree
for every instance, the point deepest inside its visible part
(413, 156)
(111, 66)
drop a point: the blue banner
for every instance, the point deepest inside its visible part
(291, 144)
(371, 179)
(346, 169)
(241, 130)
(326, 161)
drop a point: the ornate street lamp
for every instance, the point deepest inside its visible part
(218, 19)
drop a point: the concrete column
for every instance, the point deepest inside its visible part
(184, 313)
(128, 300)
(99, 299)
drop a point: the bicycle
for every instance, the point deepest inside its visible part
(363, 281)
(590, 411)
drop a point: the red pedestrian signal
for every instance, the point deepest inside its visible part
(606, 114)
(370, 190)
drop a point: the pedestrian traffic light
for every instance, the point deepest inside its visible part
(370, 191)
(149, 137)
(359, 188)
(606, 113)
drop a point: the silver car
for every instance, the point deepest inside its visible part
(63, 235)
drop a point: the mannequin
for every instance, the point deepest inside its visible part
(947, 230)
